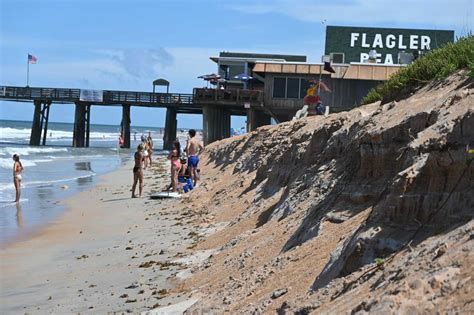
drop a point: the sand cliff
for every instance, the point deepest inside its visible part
(362, 211)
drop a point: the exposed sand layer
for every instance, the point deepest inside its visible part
(364, 211)
(108, 253)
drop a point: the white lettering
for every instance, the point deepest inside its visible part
(390, 41)
(377, 41)
(388, 59)
(354, 37)
(400, 42)
(364, 40)
(425, 42)
(364, 57)
(379, 58)
(413, 41)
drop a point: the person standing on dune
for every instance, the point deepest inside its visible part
(194, 147)
(17, 169)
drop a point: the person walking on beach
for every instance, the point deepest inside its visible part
(138, 171)
(174, 157)
(194, 147)
(17, 169)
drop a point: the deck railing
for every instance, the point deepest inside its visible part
(202, 95)
(108, 97)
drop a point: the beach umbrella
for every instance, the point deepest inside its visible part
(243, 77)
(209, 77)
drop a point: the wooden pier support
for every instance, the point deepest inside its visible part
(171, 125)
(126, 125)
(40, 119)
(81, 132)
(257, 118)
(216, 123)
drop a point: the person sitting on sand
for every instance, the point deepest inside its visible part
(17, 169)
(184, 179)
(174, 157)
(138, 171)
(194, 147)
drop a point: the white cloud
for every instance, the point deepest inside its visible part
(139, 63)
(443, 13)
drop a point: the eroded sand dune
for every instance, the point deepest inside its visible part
(296, 215)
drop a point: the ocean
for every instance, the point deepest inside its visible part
(55, 171)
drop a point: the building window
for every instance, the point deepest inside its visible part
(292, 88)
(279, 87)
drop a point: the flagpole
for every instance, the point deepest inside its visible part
(319, 83)
(27, 71)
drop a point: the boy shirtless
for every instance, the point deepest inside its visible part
(193, 148)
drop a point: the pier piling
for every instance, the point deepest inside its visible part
(216, 123)
(126, 125)
(40, 119)
(170, 129)
(257, 118)
(81, 125)
(35, 137)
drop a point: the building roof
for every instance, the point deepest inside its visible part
(359, 71)
(238, 56)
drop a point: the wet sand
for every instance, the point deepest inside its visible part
(107, 253)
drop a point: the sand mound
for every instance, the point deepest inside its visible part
(367, 210)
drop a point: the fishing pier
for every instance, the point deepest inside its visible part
(216, 107)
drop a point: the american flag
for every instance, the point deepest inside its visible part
(32, 59)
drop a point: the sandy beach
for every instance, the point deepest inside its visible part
(108, 253)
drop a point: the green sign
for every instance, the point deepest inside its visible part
(356, 42)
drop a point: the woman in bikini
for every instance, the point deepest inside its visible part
(138, 171)
(175, 164)
(150, 148)
(17, 169)
(145, 154)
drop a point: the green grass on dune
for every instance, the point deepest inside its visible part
(436, 64)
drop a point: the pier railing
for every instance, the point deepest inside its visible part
(61, 95)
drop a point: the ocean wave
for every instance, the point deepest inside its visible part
(8, 162)
(39, 183)
(8, 133)
(22, 151)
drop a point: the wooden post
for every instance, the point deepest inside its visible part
(88, 123)
(126, 125)
(170, 129)
(79, 125)
(35, 137)
(257, 118)
(216, 123)
(45, 116)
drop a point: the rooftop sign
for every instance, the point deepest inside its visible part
(356, 42)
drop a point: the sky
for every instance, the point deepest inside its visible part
(126, 44)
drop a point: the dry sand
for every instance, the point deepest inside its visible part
(89, 259)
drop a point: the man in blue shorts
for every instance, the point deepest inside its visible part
(194, 147)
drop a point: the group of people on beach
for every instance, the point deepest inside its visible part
(184, 170)
(184, 165)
